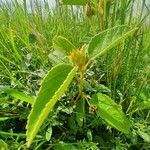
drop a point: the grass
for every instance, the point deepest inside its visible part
(25, 45)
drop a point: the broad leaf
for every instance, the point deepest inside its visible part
(16, 94)
(108, 39)
(62, 46)
(53, 87)
(75, 2)
(111, 112)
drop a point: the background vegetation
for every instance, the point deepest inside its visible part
(124, 74)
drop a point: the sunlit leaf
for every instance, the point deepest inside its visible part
(52, 88)
(106, 40)
(111, 112)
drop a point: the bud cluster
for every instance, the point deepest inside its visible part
(79, 58)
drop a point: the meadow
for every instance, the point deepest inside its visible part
(75, 75)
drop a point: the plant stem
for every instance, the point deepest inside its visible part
(81, 78)
(87, 64)
(80, 86)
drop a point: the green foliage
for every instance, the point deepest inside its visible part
(49, 133)
(64, 146)
(3, 145)
(106, 40)
(59, 78)
(145, 136)
(52, 88)
(142, 106)
(16, 94)
(62, 46)
(4, 118)
(30, 46)
(108, 110)
(79, 2)
(80, 112)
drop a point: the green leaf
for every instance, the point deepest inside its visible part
(111, 112)
(106, 40)
(16, 94)
(4, 118)
(75, 2)
(72, 124)
(89, 135)
(80, 112)
(3, 145)
(10, 134)
(53, 87)
(142, 106)
(55, 60)
(144, 136)
(62, 46)
(49, 133)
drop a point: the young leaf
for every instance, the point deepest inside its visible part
(104, 41)
(53, 87)
(111, 112)
(16, 94)
(62, 46)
